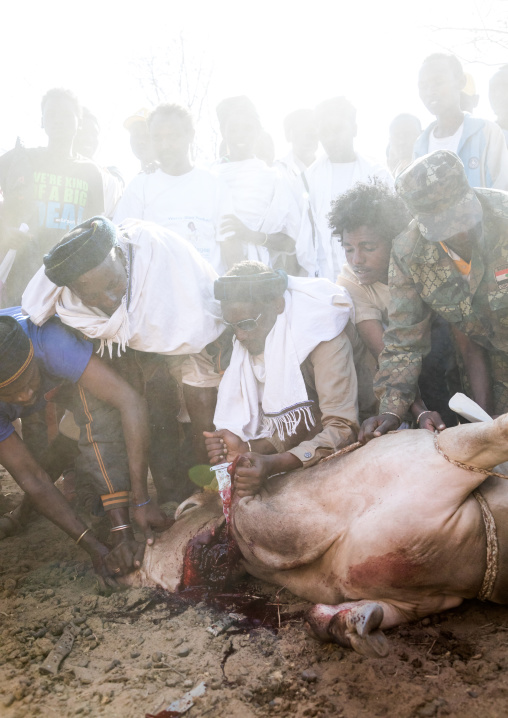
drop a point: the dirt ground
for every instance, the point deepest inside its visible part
(137, 651)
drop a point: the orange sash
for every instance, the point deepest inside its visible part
(461, 264)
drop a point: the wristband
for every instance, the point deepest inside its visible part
(250, 447)
(138, 506)
(123, 527)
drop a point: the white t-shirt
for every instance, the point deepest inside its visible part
(342, 177)
(328, 180)
(191, 205)
(446, 143)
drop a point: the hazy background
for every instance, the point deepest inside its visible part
(284, 54)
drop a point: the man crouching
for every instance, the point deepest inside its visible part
(289, 395)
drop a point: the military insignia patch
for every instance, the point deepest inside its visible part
(473, 163)
(501, 276)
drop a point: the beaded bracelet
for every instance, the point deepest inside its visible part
(138, 506)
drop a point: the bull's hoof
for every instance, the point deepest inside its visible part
(358, 627)
(317, 620)
(352, 625)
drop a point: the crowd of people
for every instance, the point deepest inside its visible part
(278, 309)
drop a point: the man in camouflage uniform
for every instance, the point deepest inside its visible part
(453, 260)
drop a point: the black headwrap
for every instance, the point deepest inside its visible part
(16, 351)
(251, 287)
(83, 248)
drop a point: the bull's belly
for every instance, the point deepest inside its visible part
(444, 557)
(313, 582)
(297, 517)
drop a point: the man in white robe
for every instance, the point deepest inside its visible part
(265, 218)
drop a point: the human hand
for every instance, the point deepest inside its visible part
(150, 518)
(233, 228)
(377, 426)
(431, 421)
(223, 446)
(105, 575)
(126, 556)
(251, 472)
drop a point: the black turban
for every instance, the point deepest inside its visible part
(16, 351)
(251, 287)
(83, 248)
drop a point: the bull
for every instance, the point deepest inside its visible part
(408, 525)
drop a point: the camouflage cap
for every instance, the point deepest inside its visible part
(436, 192)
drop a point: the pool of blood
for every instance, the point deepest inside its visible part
(210, 560)
(211, 574)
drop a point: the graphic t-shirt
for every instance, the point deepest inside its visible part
(49, 195)
(66, 193)
(61, 356)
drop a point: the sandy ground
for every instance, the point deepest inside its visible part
(137, 651)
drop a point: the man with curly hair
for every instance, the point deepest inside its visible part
(367, 218)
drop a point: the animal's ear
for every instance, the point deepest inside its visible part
(193, 502)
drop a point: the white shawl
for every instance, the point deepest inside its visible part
(316, 311)
(171, 308)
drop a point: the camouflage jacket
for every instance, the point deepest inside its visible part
(422, 278)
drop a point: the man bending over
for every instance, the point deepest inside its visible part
(36, 361)
(142, 292)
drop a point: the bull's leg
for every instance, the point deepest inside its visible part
(352, 625)
(483, 445)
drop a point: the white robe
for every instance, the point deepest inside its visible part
(262, 200)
